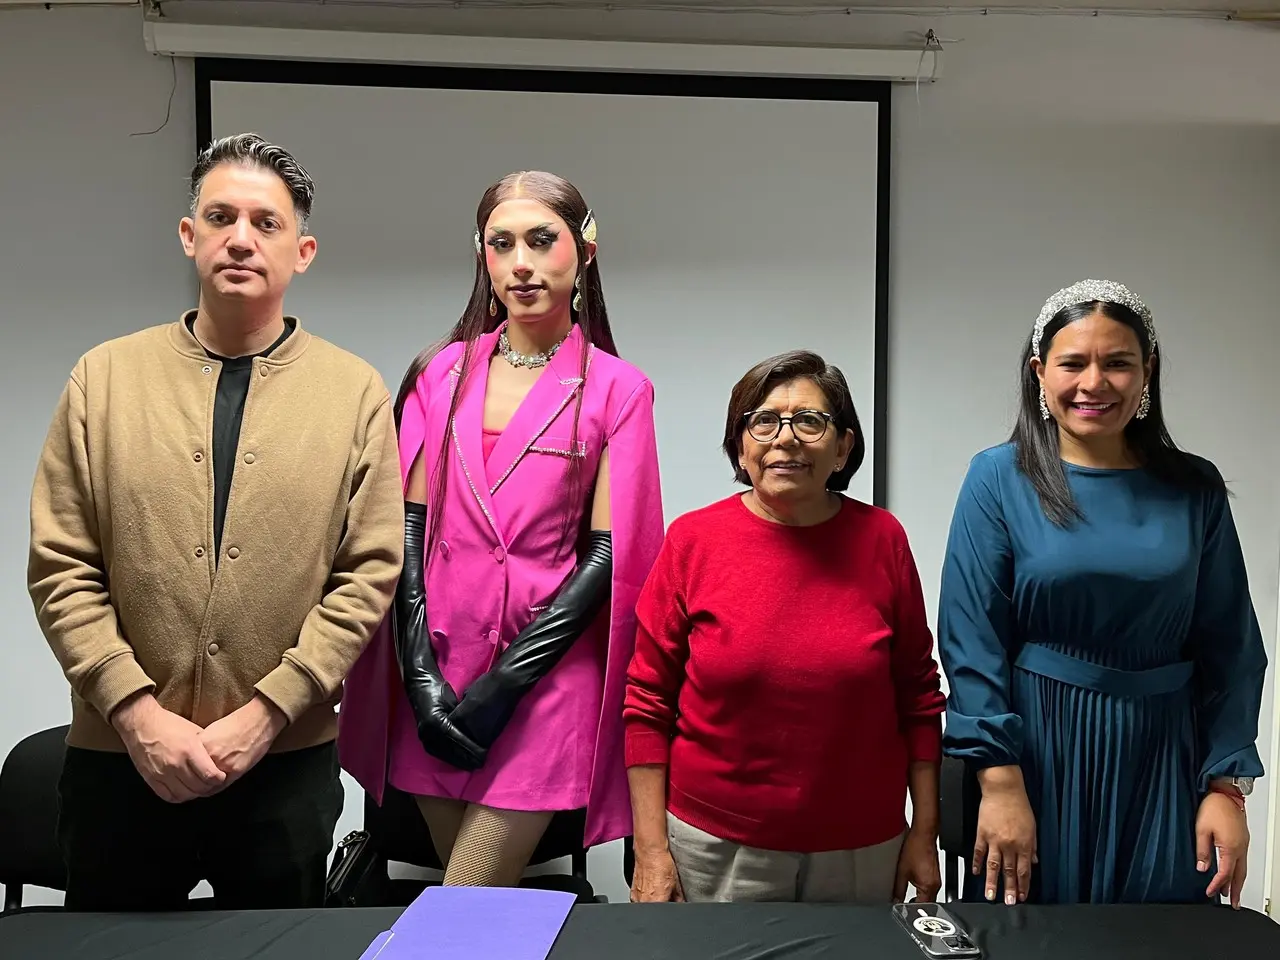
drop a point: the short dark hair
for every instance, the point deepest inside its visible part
(760, 381)
(252, 150)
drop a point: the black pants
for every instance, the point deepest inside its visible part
(263, 842)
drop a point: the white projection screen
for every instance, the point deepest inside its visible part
(738, 218)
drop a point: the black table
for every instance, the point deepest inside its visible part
(666, 932)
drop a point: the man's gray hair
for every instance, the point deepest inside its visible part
(250, 149)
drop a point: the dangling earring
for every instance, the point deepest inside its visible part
(1144, 405)
(577, 297)
(1044, 407)
(493, 306)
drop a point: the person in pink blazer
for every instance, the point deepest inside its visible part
(493, 691)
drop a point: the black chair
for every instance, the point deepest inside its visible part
(959, 796)
(628, 859)
(29, 853)
(398, 833)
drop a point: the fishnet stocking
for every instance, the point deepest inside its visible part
(482, 846)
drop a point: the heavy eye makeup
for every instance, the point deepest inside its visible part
(539, 238)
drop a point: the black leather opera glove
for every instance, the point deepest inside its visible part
(431, 698)
(489, 703)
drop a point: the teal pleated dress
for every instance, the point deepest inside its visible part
(1118, 661)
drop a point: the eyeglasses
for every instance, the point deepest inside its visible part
(808, 426)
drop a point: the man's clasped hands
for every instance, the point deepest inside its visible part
(181, 760)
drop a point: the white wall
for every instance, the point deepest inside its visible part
(1189, 218)
(1271, 890)
(89, 251)
(1089, 170)
(1054, 149)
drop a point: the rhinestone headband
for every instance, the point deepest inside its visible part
(1085, 291)
(588, 230)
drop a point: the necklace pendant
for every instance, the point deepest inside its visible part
(529, 361)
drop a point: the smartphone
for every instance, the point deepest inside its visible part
(935, 931)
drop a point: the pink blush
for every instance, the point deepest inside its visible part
(561, 255)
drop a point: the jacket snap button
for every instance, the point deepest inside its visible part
(199, 551)
(213, 649)
(493, 636)
(206, 369)
(499, 554)
(197, 456)
(233, 552)
(248, 458)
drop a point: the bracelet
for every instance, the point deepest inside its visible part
(1229, 791)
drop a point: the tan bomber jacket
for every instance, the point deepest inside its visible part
(120, 568)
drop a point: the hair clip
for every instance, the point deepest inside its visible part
(477, 241)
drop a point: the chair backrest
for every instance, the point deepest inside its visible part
(400, 834)
(29, 853)
(959, 796)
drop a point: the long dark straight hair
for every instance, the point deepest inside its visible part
(562, 198)
(1036, 439)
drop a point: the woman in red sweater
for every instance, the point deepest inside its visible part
(783, 696)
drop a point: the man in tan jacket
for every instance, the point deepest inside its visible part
(216, 531)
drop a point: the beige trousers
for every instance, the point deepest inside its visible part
(712, 869)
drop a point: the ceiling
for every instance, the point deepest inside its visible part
(1253, 10)
(780, 7)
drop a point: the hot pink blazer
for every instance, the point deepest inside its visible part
(502, 554)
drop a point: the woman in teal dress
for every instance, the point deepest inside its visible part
(1095, 624)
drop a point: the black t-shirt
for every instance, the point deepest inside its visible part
(228, 414)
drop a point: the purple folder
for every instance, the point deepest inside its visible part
(380, 943)
(479, 923)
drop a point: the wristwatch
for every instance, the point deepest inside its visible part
(1235, 788)
(1243, 784)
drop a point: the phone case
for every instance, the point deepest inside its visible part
(936, 932)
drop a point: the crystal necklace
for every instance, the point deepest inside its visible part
(528, 360)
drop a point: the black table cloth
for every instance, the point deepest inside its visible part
(666, 932)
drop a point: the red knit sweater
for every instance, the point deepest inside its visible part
(786, 677)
